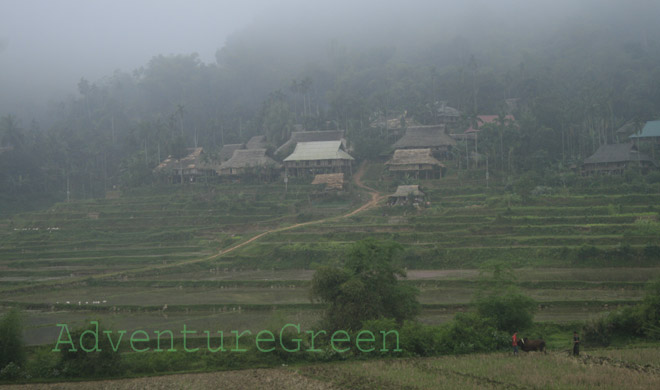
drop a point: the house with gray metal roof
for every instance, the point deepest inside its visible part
(318, 157)
(309, 136)
(614, 159)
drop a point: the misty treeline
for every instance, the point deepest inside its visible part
(575, 85)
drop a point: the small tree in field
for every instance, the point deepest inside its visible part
(365, 288)
(500, 300)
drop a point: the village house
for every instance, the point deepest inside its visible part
(227, 151)
(614, 159)
(257, 142)
(629, 128)
(431, 137)
(650, 132)
(318, 157)
(447, 115)
(310, 136)
(187, 169)
(419, 163)
(406, 195)
(252, 162)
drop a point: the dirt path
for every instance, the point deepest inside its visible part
(373, 202)
(265, 378)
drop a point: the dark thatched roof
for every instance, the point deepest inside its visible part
(413, 157)
(629, 127)
(228, 150)
(616, 153)
(404, 191)
(257, 142)
(310, 136)
(247, 158)
(424, 137)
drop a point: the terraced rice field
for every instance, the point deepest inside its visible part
(578, 255)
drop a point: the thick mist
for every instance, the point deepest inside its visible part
(46, 47)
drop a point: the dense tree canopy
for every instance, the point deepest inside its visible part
(365, 287)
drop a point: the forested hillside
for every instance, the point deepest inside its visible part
(576, 79)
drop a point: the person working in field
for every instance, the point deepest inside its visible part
(514, 343)
(576, 344)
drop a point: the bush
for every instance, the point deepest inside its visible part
(469, 333)
(12, 346)
(43, 363)
(509, 311)
(640, 320)
(597, 333)
(11, 371)
(79, 363)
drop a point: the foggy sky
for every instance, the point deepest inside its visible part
(47, 46)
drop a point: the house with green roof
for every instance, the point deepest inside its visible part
(311, 158)
(650, 132)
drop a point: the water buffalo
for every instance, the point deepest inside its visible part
(532, 345)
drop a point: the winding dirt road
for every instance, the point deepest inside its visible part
(373, 202)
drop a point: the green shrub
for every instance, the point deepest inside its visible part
(469, 333)
(11, 371)
(79, 363)
(43, 364)
(509, 311)
(597, 333)
(419, 339)
(12, 346)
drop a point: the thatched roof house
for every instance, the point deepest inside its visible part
(310, 136)
(405, 194)
(250, 161)
(187, 168)
(614, 159)
(228, 150)
(257, 142)
(417, 162)
(419, 137)
(331, 181)
(318, 157)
